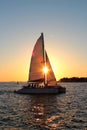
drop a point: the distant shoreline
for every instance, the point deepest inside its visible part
(74, 79)
(65, 79)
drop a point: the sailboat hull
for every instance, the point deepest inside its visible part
(41, 90)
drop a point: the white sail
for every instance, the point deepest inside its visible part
(36, 65)
(51, 80)
(39, 60)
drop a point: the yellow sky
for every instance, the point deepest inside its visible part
(64, 25)
(64, 65)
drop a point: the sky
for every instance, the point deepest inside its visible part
(64, 24)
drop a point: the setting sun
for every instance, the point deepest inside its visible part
(45, 70)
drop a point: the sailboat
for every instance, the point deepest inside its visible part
(41, 76)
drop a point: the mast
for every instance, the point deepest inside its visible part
(44, 59)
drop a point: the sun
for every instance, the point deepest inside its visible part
(45, 70)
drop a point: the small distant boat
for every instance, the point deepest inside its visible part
(17, 82)
(41, 76)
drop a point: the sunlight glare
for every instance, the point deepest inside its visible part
(45, 70)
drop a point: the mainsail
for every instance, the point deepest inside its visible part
(36, 65)
(39, 60)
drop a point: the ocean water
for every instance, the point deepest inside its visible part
(43, 112)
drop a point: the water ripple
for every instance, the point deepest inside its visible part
(50, 112)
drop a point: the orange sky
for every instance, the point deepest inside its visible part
(64, 65)
(64, 24)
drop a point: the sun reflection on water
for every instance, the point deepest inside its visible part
(43, 115)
